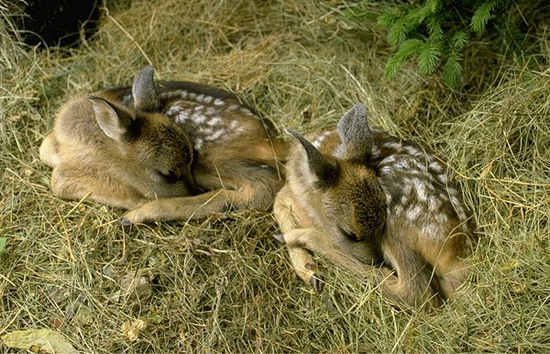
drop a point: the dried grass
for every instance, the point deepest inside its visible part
(225, 284)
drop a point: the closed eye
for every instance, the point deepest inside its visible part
(349, 235)
(170, 177)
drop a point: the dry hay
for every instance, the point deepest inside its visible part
(225, 284)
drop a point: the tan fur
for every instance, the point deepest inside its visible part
(154, 170)
(413, 240)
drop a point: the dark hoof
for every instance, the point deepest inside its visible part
(317, 283)
(279, 237)
(126, 224)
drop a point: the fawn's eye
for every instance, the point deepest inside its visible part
(349, 235)
(170, 177)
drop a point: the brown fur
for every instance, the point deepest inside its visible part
(349, 201)
(122, 147)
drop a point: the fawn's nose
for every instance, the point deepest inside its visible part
(186, 174)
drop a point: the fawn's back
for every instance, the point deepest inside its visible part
(419, 194)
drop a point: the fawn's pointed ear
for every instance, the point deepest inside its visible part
(114, 121)
(144, 90)
(325, 172)
(355, 135)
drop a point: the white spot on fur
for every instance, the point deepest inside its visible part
(198, 118)
(407, 188)
(443, 178)
(375, 151)
(436, 167)
(198, 143)
(183, 94)
(421, 189)
(233, 125)
(411, 150)
(388, 160)
(398, 209)
(388, 197)
(206, 131)
(218, 102)
(200, 97)
(434, 203)
(182, 117)
(246, 111)
(386, 170)
(208, 99)
(211, 110)
(414, 212)
(199, 108)
(192, 95)
(392, 145)
(216, 135)
(232, 108)
(214, 121)
(173, 110)
(402, 164)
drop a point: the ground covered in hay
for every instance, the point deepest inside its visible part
(227, 285)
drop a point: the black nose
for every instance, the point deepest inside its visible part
(171, 177)
(349, 235)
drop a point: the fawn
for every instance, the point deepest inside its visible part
(361, 197)
(165, 150)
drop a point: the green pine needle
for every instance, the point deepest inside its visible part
(398, 32)
(452, 70)
(429, 57)
(481, 16)
(406, 49)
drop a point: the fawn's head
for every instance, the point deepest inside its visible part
(351, 199)
(149, 143)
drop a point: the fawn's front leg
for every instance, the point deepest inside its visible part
(301, 237)
(180, 208)
(240, 188)
(195, 207)
(301, 259)
(413, 284)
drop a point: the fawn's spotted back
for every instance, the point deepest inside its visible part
(416, 184)
(208, 116)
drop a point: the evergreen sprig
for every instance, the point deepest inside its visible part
(435, 33)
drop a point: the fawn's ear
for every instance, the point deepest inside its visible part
(323, 171)
(355, 135)
(114, 121)
(144, 90)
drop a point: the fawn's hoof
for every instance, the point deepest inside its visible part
(317, 283)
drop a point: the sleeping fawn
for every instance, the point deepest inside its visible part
(165, 150)
(363, 198)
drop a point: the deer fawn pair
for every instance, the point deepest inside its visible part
(179, 150)
(154, 147)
